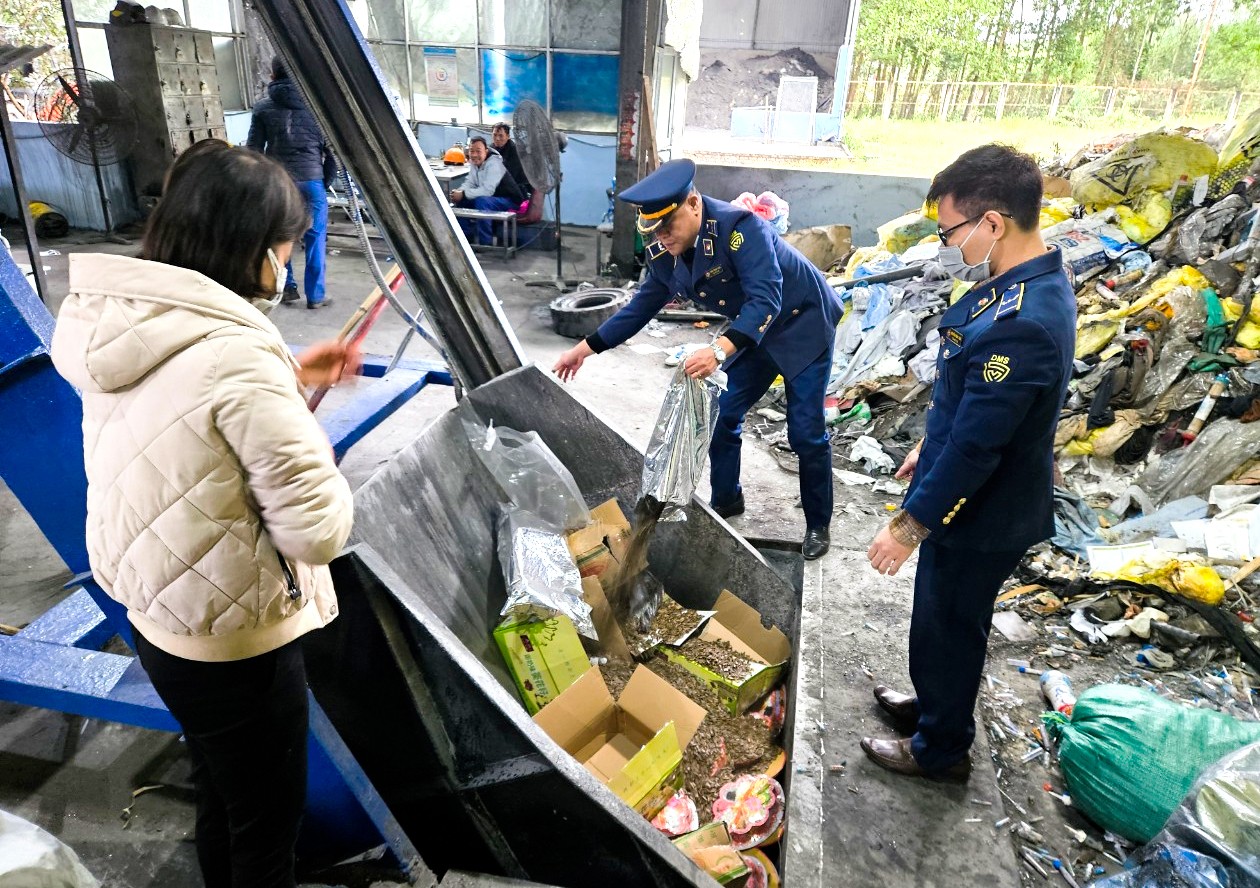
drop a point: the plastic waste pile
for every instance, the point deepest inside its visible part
(1158, 444)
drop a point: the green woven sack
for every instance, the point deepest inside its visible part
(1129, 756)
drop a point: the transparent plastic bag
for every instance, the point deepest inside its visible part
(1173, 358)
(539, 572)
(1212, 838)
(1221, 447)
(531, 477)
(33, 858)
(676, 454)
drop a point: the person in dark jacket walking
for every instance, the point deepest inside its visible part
(284, 128)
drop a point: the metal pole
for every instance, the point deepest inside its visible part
(80, 78)
(633, 66)
(24, 208)
(328, 58)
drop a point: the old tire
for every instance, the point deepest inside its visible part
(578, 315)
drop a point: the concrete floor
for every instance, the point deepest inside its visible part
(74, 776)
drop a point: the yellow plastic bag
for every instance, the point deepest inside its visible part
(1237, 154)
(1200, 582)
(902, 233)
(1154, 161)
(861, 256)
(1185, 576)
(1185, 276)
(1094, 335)
(1151, 213)
(1055, 211)
(1249, 335)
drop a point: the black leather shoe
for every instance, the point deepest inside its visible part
(291, 295)
(895, 756)
(323, 303)
(817, 542)
(903, 709)
(731, 509)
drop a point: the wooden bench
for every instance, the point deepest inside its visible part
(507, 217)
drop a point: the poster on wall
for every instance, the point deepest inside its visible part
(441, 71)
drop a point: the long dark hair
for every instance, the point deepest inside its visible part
(221, 214)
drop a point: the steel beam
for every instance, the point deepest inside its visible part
(329, 59)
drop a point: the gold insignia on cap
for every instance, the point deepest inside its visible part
(997, 368)
(737, 241)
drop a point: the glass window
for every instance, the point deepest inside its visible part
(386, 20)
(95, 10)
(444, 84)
(442, 21)
(392, 60)
(585, 24)
(514, 22)
(95, 51)
(211, 15)
(508, 76)
(225, 49)
(584, 92)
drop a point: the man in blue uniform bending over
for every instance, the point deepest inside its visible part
(983, 476)
(783, 323)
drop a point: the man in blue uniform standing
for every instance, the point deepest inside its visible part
(783, 321)
(983, 476)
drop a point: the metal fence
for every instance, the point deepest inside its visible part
(991, 100)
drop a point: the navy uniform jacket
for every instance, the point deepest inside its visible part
(744, 270)
(985, 478)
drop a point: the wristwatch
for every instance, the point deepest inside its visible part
(718, 352)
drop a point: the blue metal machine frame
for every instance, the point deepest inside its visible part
(57, 661)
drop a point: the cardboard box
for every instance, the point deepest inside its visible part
(739, 625)
(710, 848)
(544, 657)
(612, 643)
(598, 548)
(633, 744)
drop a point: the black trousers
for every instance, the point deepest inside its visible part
(245, 726)
(954, 591)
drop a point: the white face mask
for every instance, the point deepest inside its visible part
(951, 259)
(282, 277)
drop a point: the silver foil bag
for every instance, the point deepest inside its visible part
(539, 572)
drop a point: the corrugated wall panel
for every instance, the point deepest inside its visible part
(740, 24)
(59, 182)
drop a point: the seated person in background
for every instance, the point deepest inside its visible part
(489, 187)
(501, 136)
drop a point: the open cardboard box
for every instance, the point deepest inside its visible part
(632, 744)
(544, 657)
(598, 548)
(739, 625)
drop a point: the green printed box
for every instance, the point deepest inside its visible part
(544, 657)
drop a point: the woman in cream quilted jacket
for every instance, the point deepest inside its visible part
(214, 504)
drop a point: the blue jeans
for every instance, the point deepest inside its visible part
(483, 227)
(315, 239)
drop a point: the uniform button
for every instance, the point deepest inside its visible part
(333, 610)
(795, 312)
(721, 302)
